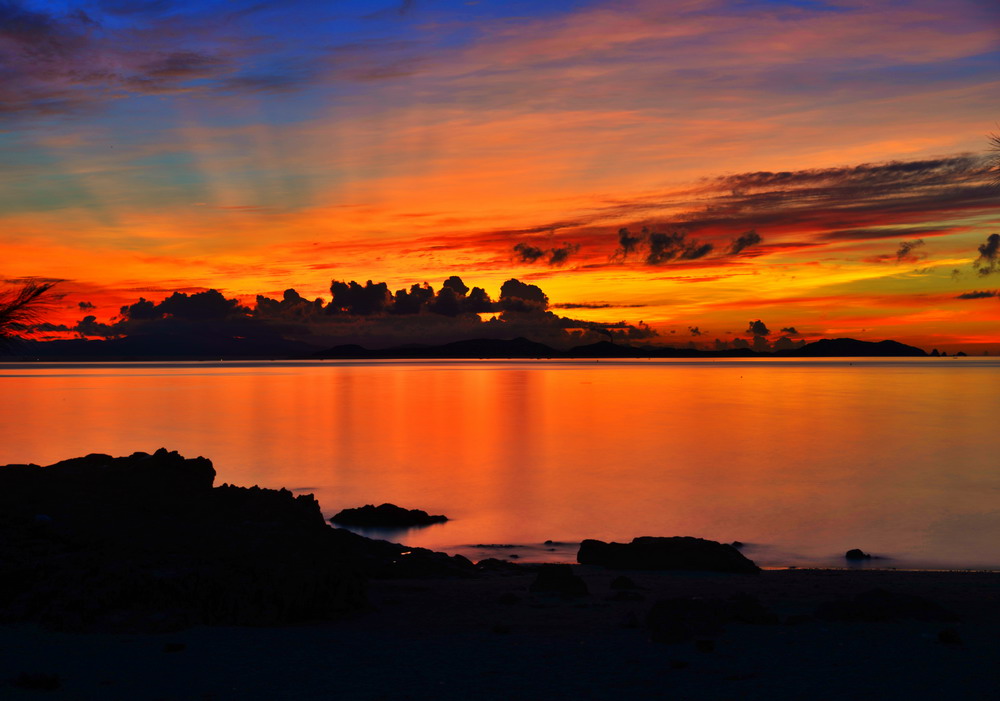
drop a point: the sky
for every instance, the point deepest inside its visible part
(673, 171)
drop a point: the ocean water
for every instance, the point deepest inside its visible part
(799, 459)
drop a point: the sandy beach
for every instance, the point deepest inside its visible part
(491, 638)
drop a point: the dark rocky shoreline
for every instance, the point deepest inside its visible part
(233, 592)
(146, 542)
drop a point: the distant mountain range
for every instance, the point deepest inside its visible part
(524, 348)
(137, 348)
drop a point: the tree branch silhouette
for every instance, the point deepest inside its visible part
(995, 157)
(22, 306)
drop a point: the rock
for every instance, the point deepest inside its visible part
(677, 553)
(879, 605)
(856, 554)
(145, 543)
(495, 565)
(385, 516)
(558, 579)
(381, 559)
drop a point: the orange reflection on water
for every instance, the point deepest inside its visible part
(801, 459)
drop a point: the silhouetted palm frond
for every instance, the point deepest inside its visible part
(995, 157)
(22, 306)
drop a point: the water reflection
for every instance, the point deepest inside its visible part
(801, 459)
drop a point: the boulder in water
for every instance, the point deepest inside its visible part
(385, 516)
(677, 553)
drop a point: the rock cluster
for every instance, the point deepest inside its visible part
(677, 553)
(145, 542)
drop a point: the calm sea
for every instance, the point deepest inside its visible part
(799, 459)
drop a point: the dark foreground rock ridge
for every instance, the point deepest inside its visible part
(146, 542)
(674, 553)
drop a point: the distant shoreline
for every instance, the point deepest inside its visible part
(153, 349)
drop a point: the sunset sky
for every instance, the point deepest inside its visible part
(824, 167)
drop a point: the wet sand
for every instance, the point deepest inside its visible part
(490, 638)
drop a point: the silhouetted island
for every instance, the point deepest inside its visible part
(218, 347)
(523, 348)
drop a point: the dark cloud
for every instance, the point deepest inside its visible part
(89, 326)
(357, 300)
(201, 306)
(65, 62)
(583, 305)
(517, 296)
(558, 256)
(989, 256)
(877, 233)
(85, 305)
(54, 63)
(292, 306)
(364, 314)
(695, 331)
(760, 332)
(849, 203)
(905, 254)
(596, 305)
(664, 248)
(744, 241)
(447, 302)
(979, 294)
(693, 251)
(412, 301)
(140, 311)
(527, 253)
(798, 209)
(786, 343)
(627, 244)
(895, 175)
(455, 283)
(790, 330)
(479, 302)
